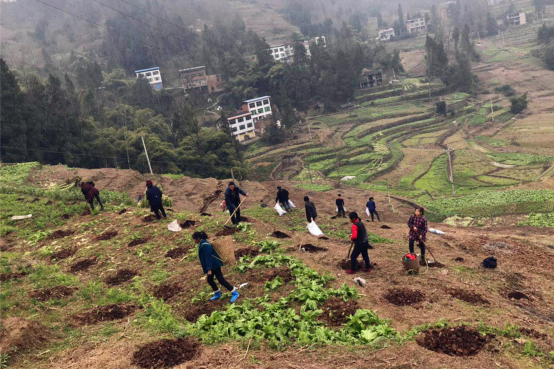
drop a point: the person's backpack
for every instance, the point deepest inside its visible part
(489, 263)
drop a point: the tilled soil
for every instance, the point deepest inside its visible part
(107, 235)
(280, 235)
(166, 353)
(459, 341)
(122, 211)
(310, 248)
(105, 313)
(336, 311)
(137, 241)
(404, 296)
(282, 272)
(120, 277)
(532, 333)
(467, 296)
(83, 265)
(227, 231)
(177, 252)
(86, 212)
(5, 276)
(205, 214)
(58, 292)
(63, 254)
(246, 252)
(187, 224)
(517, 296)
(58, 234)
(66, 216)
(149, 218)
(167, 290)
(193, 312)
(345, 265)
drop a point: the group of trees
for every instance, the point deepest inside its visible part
(545, 36)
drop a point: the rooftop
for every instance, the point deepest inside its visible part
(256, 99)
(147, 69)
(192, 69)
(239, 114)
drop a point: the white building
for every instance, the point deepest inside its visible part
(416, 25)
(516, 19)
(285, 52)
(258, 107)
(386, 34)
(242, 125)
(153, 76)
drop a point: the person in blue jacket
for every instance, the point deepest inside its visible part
(232, 201)
(154, 197)
(372, 209)
(211, 264)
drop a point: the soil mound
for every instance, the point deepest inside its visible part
(177, 252)
(149, 218)
(66, 216)
(336, 311)
(345, 265)
(137, 241)
(467, 296)
(122, 211)
(63, 254)
(517, 296)
(187, 224)
(310, 248)
(205, 214)
(5, 276)
(83, 265)
(120, 277)
(404, 296)
(165, 353)
(86, 212)
(460, 341)
(226, 231)
(58, 292)
(246, 252)
(532, 333)
(107, 235)
(20, 334)
(194, 311)
(167, 290)
(279, 235)
(58, 234)
(459, 259)
(105, 313)
(282, 272)
(386, 227)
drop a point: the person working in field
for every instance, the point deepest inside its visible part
(91, 193)
(232, 201)
(311, 212)
(372, 209)
(211, 265)
(154, 197)
(418, 231)
(340, 207)
(283, 198)
(361, 243)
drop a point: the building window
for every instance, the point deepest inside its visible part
(250, 125)
(282, 55)
(155, 73)
(148, 74)
(282, 49)
(241, 127)
(248, 118)
(260, 111)
(266, 102)
(241, 119)
(231, 121)
(259, 104)
(252, 105)
(267, 109)
(235, 129)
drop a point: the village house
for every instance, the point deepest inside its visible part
(196, 79)
(516, 19)
(285, 52)
(153, 76)
(242, 125)
(416, 25)
(260, 108)
(386, 34)
(370, 78)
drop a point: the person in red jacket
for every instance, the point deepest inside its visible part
(361, 243)
(90, 193)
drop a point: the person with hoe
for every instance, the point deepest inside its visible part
(372, 209)
(311, 212)
(283, 198)
(232, 201)
(340, 207)
(91, 193)
(418, 231)
(154, 198)
(361, 243)
(211, 265)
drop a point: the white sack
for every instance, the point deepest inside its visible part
(367, 211)
(291, 204)
(174, 226)
(279, 210)
(21, 217)
(314, 229)
(436, 231)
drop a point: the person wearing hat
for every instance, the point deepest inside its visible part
(232, 201)
(283, 198)
(91, 193)
(154, 197)
(361, 243)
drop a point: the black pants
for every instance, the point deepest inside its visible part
(98, 200)
(420, 245)
(341, 211)
(236, 218)
(219, 275)
(286, 205)
(374, 212)
(359, 249)
(157, 209)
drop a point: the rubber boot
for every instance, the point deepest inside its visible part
(216, 296)
(234, 295)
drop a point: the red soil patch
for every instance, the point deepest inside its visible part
(187, 224)
(167, 290)
(63, 254)
(19, 335)
(11, 275)
(467, 296)
(58, 234)
(137, 241)
(177, 252)
(246, 252)
(105, 313)
(404, 296)
(120, 277)
(226, 231)
(336, 311)
(165, 353)
(280, 235)
(58, 292)
(310, 248)
(83, 264)
(459, 341)
(107, 235)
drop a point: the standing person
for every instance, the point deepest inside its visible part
(154, 197)
(311, 212)
(90, 193)
(283, 198)
(361, 244)
(232, 201)
(418, 230)
(372, 209)
(211, 265)
(340, 206)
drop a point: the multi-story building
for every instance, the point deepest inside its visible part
(153, 76)
(370, 78)
(196, 79)
(258, 107)
(516, 19)
(285, 52)
(242, 125)
(416, 25)
(386, 34)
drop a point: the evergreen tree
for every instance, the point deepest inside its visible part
(492, 26)
(456, 37)
(401, 23)
(518, 104)
(380, 23)
(273, 134)
(288, 117)
(12, 124)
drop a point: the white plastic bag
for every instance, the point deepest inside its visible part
(367, 211)
(279, 210)
(337, 209)
(291, 204)
(314, 229)
(437, 231)
(174, 226)
(16, 218)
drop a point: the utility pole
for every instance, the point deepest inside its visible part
(232, 174)
(338, 168)
(147, 158)
(492, 109)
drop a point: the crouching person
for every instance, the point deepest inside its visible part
(211, 264)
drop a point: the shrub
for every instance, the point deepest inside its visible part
(518, 104)
(507, 90)
(441, 107)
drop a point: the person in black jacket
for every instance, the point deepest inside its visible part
(283, 198)
(154, 197)
(372, 209)
(311, 213)
(340, 206)
(361, 243)
(232, 201)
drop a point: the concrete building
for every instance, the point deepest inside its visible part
(260, 108)
(516, 19)
(416, 25)
(386, 34)
(153, 76)
(370, 78)
(242, 125)
(285, 52)
(196, 79)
